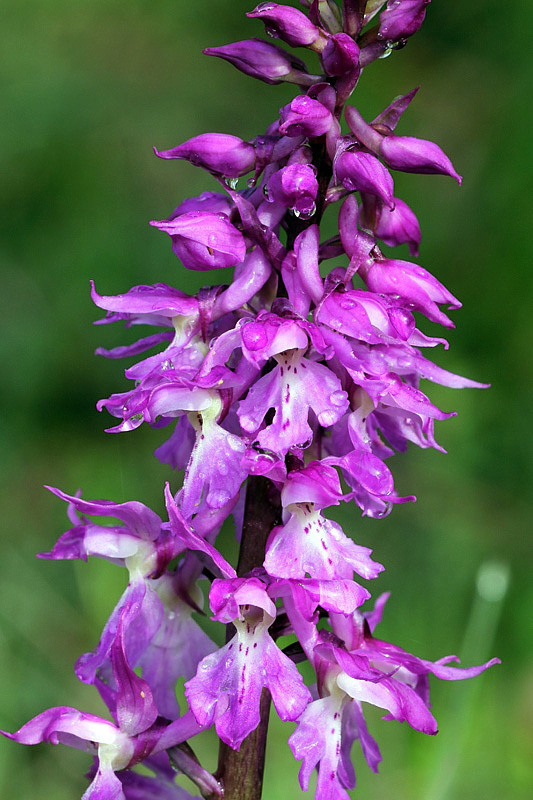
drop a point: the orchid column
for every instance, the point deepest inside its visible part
(284, 393)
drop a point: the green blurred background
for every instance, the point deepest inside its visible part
(87, 88)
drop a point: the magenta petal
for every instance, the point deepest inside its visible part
(215, 471)
(311, 544)
(400, 20)
(363, 172)
(227, 688)
(339, 596)
(190, 539)
(354, 727)
(218, 152)
(317, 741)
(158, 299)
(305, 117)
(295, 186)
(263, 60)
(289, 24)
(315, 483)
(408, 154)
(135, 707)
(295, 387)
(227, 595)
(63, 724)
(306, 249)
(203, 240)
(173, 651)
(399, 225)
(105, 786)
(401, 701)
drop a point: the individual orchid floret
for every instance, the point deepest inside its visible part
(300, 271)
(220, 153)
(310, 544)
(214, 473)
(265, 61)
(305, 116)
(64, 725)
(363, 172)
(202, 240)
(401, 19)
(341, 56)
(409, 154)
(293, 388)
(404, 153)
(413, 284)
(398, 225)
(296, 187)
(227, 688)
(288, 24)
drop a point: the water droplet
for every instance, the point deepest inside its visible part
(251, 182)
(327, 418)
(254, 336)
(218, 498)
(338, 398)
(270, 31)
(347, 303)
(235, 444)
(265, 7)
(266, 192)
(232, 182)
(306, 213)
(388, 50)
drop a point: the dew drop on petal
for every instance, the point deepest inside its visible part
(338, 398)
(235, 444)
(218, 498)
(327, 418)
(306, 213)
(254, 336)
(386, 53)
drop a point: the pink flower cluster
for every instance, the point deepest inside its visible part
(301, 377)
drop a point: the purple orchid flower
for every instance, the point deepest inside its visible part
(304, 371)
(227, 687)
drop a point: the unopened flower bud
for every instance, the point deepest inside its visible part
(288, 24)
(265, 61)
(305, 117)
(202, 240)
(217, 152)
(341, 55)
(296, 187)
(399, 225)
(409, 154)
(363, 172)
(401, 19)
